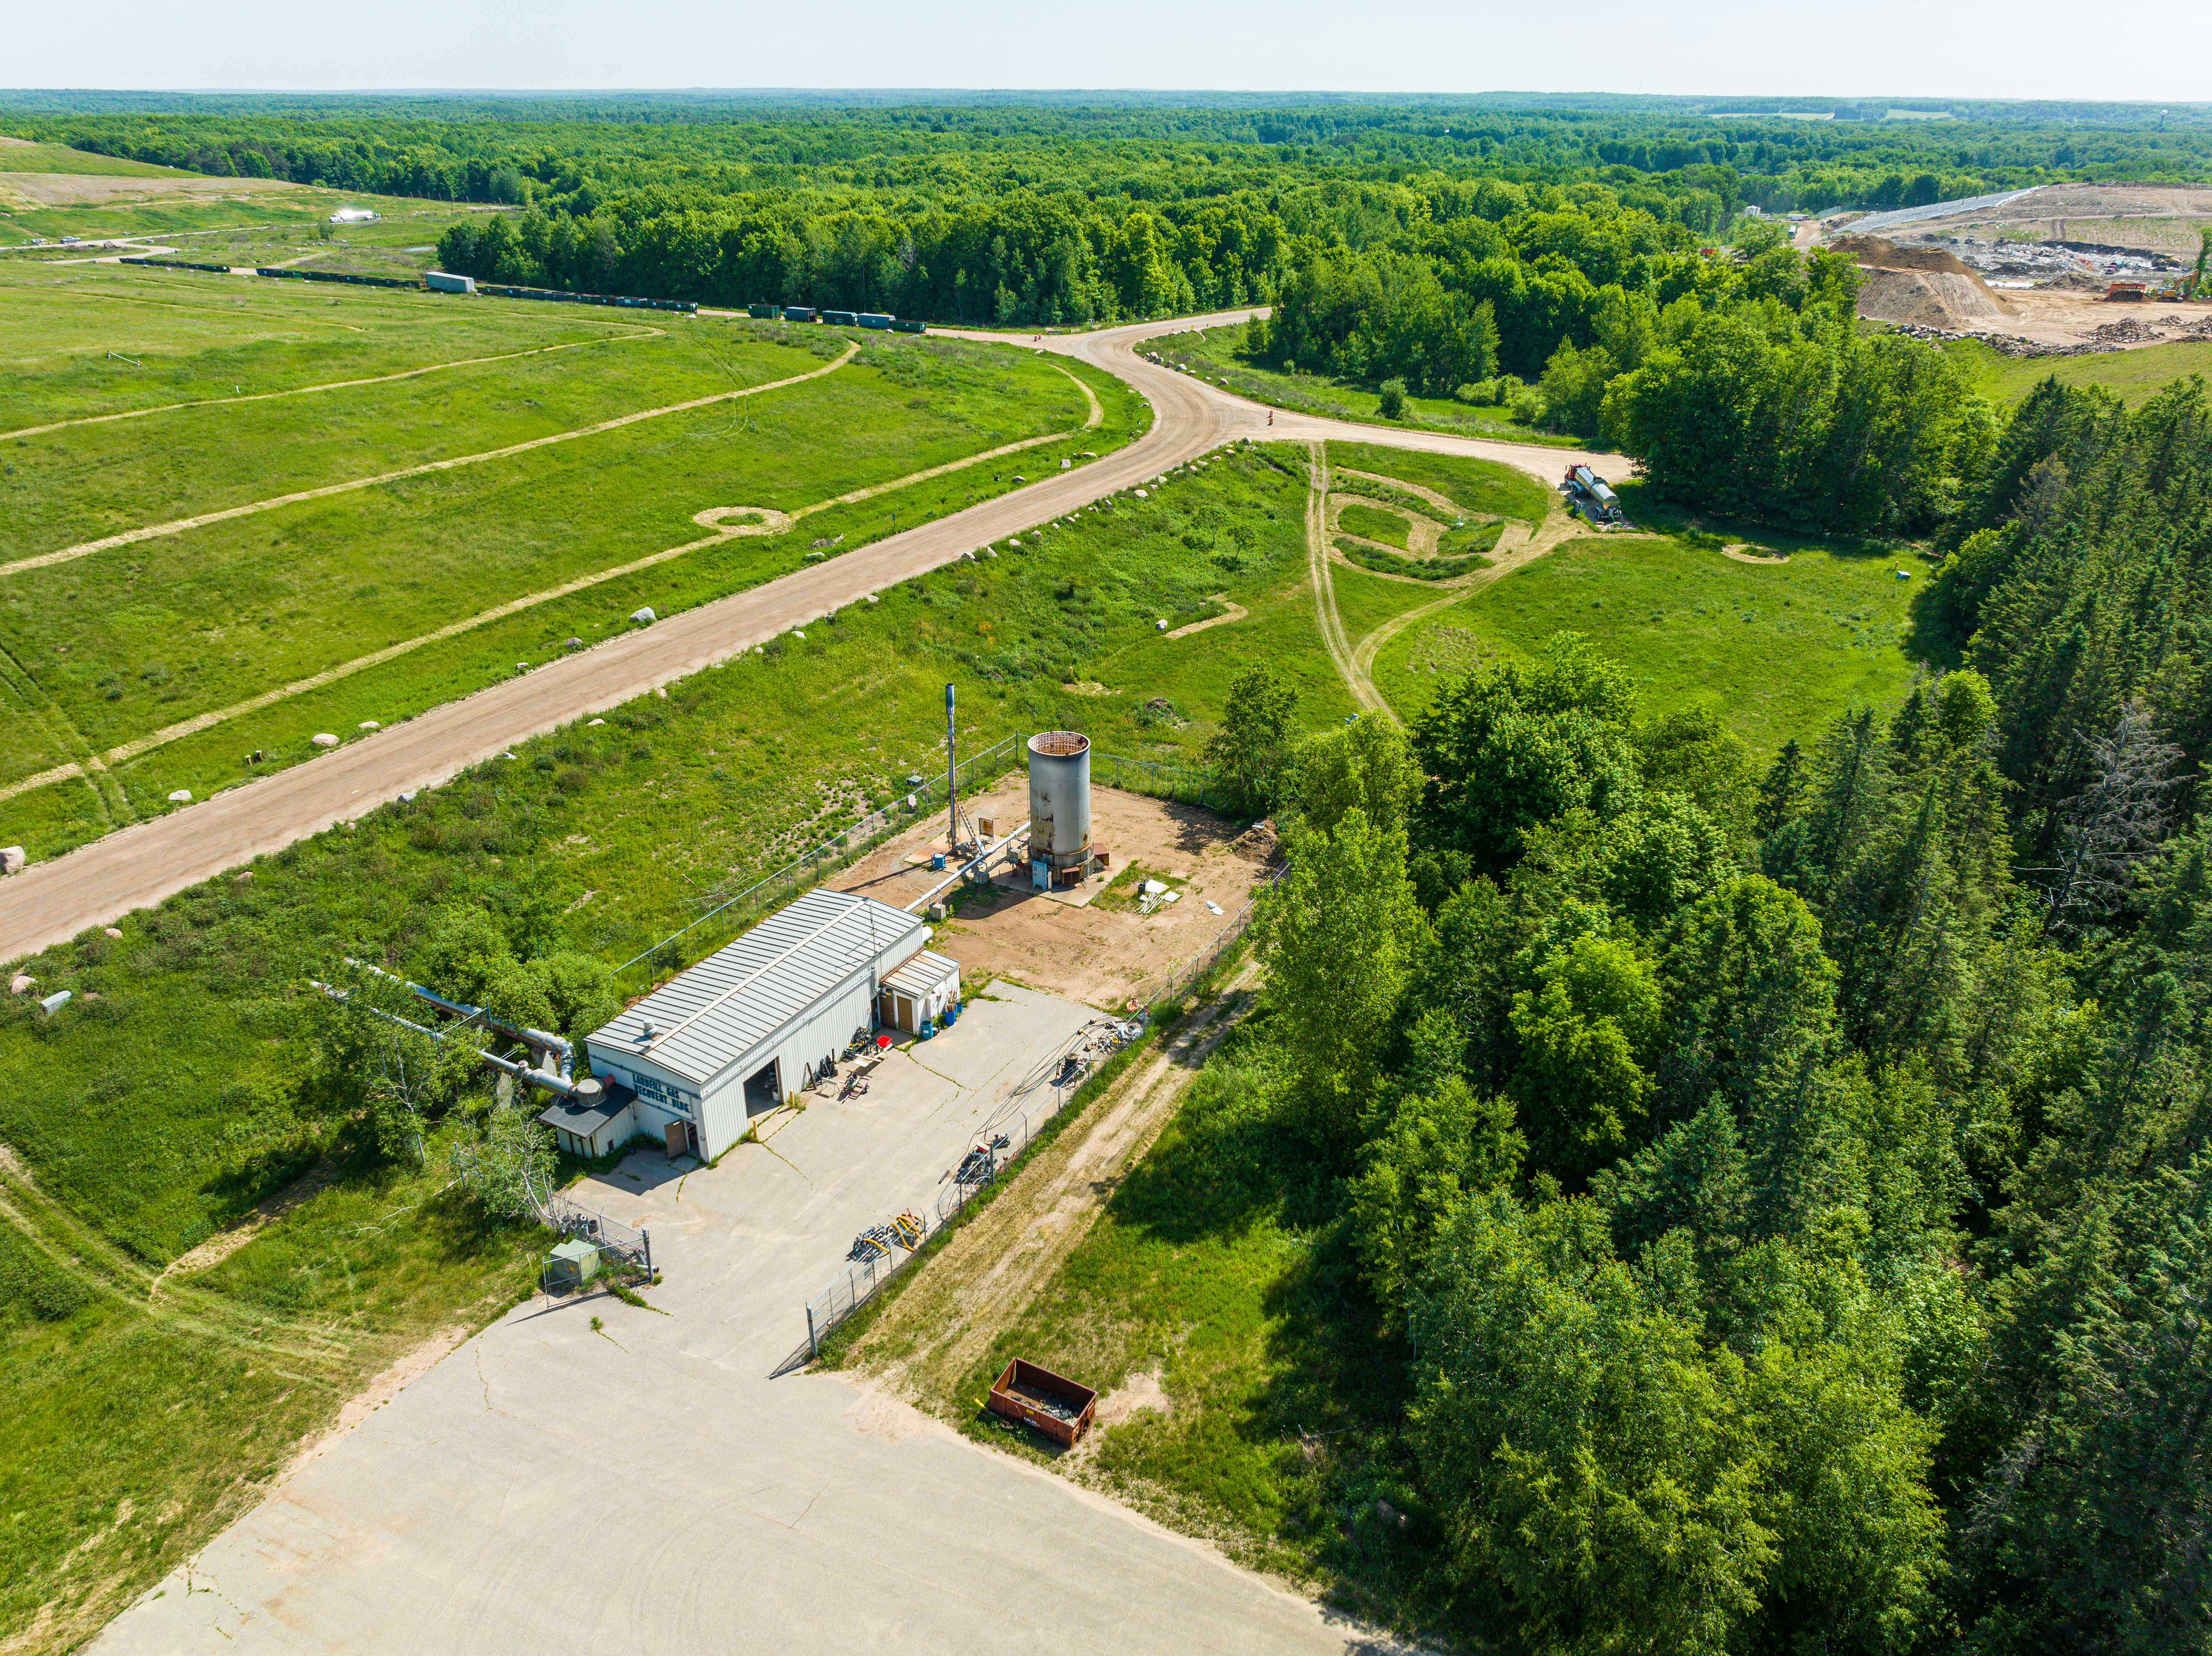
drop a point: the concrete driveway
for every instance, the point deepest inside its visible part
(651, 1488)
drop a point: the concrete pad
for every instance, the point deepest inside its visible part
(651, 1487)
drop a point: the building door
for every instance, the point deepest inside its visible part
(905, 1018)
(682, 1140)
(764, 1088)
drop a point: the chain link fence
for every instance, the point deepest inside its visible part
(1040, 1096)
(619, 1252)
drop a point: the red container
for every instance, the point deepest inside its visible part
(1058, 1408)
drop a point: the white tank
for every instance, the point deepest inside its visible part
(1059, 800)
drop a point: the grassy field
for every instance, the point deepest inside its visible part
(111, 649)
(1218, 355)
(2134, 374)
(18, 155)
(94, 196)
(171, 1096)
(1481, 488)
(1775, 649)
(1373, 524)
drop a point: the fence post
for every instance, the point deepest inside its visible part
(647, 1235)
(813, 1343)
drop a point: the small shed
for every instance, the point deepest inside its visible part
(444, 281)
(759, 1019)
(922, 996)
(592, 1128)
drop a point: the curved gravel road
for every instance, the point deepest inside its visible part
(140, 864)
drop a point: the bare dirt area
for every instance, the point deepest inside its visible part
(1928, 287)
(99, 189)
(1104, 955)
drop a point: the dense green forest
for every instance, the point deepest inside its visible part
(1782, 1198)
(1060, 209)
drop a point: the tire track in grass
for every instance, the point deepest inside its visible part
(766, 521)
(178, 526)
(106, 1271)
(335, 385)
(107, 794)
(1327, 619)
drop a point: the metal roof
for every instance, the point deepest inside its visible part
(708, 1018)
(926, 973)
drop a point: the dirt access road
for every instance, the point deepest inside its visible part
(140, 865)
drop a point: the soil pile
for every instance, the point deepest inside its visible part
(1879, 253)
(1921, 287)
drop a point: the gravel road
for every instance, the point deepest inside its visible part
(140, 864)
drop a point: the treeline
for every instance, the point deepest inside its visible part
(1778, 1210)
(452, 147)
(1023, 259)
(1027, 257)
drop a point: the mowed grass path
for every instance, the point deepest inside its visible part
(146, 634)
(1775, 649)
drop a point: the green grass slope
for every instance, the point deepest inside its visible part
(120, 643)
(2135, 374)
(1775, 649)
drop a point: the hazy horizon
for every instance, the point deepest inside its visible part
(1976, 49)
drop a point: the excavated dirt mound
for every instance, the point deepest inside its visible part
(1879, 253)
(1921, 287)
(1931, 299)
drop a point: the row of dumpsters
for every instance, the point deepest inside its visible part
(444, 281)
(877, 319)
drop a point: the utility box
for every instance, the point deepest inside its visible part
(572, 1264)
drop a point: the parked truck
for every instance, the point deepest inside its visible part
(1587, 493)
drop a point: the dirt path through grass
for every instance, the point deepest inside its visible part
(81, 1254)
(637, 332)
(944, 1320)
(178, 526)
(1358, 664)
(1328, 621)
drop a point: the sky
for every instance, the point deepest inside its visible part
(1929, 48)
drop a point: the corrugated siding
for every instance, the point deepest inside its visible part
(776, 996)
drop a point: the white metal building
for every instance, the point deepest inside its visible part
(755, 1021)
